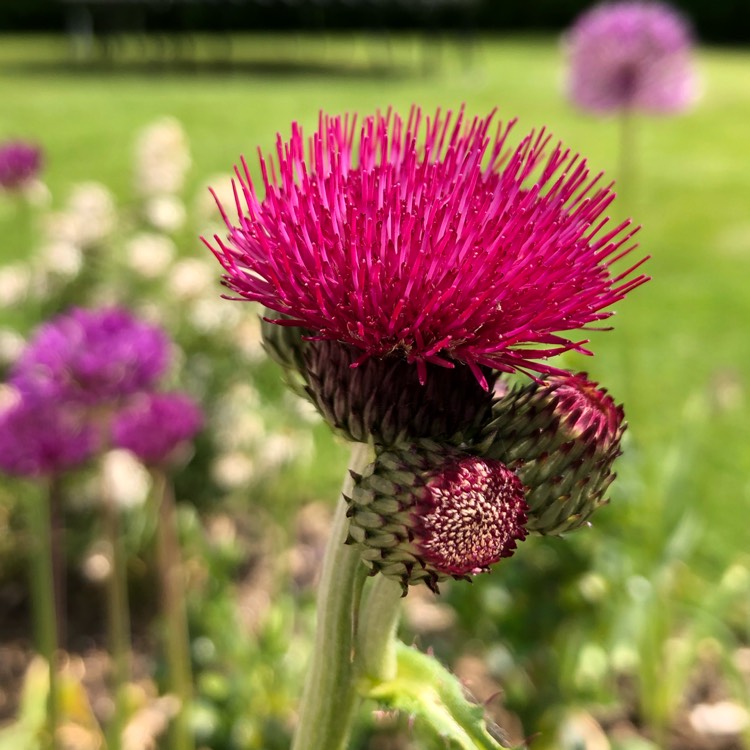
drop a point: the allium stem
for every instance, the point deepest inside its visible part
(376, 634)
(175, 624)
(118, 615)
(627, 160)
(329, 698)
(43, 597)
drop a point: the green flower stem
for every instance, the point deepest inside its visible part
(626, 176)
(118, 615)
(376, 634)
(175, 624)
(329, 697)
(43, 598)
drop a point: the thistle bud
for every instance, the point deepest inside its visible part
(561, 437)
(423, 512)
(382, 399)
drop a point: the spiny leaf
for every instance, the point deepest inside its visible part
(423, 688)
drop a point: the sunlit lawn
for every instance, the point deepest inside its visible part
(680, 355)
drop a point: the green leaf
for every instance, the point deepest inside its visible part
(423, 688)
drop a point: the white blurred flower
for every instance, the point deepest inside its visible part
(165, 213)
(233, 470)
(11, 345)
(97, 566)
(126, 478)
(15, 284)
(279, 450)
(89, 217)
(9, 397)
(150, 254)
(247, 334)
(205, 203)
(719, 719)
(162, 158)
(191, 278)
(61, 258)
(213, 315)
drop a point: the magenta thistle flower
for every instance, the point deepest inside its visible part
(432, 240)
(20, 162)
(39, 437)
(631, 55)
(153, 425)
(92, 357)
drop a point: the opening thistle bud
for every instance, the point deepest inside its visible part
(561, 436)
(422, 513)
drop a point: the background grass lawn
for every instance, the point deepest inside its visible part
(679, 357)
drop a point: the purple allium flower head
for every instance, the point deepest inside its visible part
(433, 239)
(20, 162)
(38, 437)
(92, 357)
(631, 55)
(154, 424)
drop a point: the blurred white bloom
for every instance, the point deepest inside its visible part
(279, 450)
(150, 254)
(233, 470)
(149, 722)
(126, 478)
(9, 397)
(205, 204)
(15, 283)
(11, 345)
(722, 718)
(302, 408)
(191, 278)
(97, 565)
(213, 315)
(89, 217)
(38, 194)
(165, 213)
(162, 158)
(247, 335)
(61, 258)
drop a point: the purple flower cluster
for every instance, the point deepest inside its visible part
(88, 381)
(20, 163)
(631, 55)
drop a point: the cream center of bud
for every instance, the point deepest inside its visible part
(472, 516)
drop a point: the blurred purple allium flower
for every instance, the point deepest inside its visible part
(92, 357)
(39, 437)
(154, 424)
(433, 240)
(20, 163)
(631, 55)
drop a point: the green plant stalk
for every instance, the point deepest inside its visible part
(329, 697)
(118, 617)
(626, 176)
(376, 634)
(175, 624)
(43, 600)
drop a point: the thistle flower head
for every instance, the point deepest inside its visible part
(153, 425)
(631, 55)
(20, 163)
(433, 240)
(92, 357)
(422, 512)
(561, 436)
(39, 437)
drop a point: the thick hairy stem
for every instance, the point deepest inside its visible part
(329, 698)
